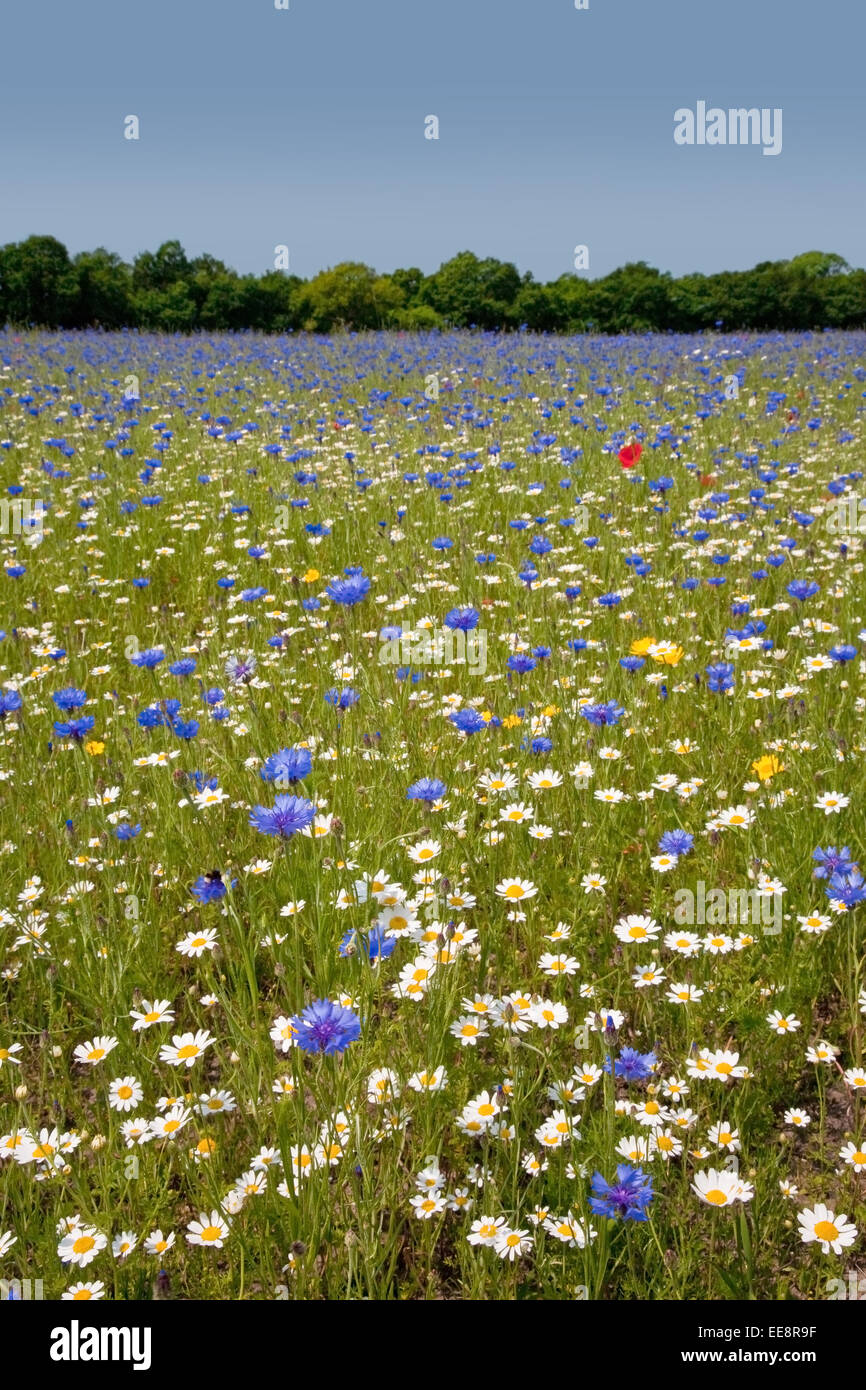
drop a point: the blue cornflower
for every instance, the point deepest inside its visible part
(289, 765)
(10, 700)
(326, 1027)
(609, 600)
(209, 888)
(241, 669)
(349, 591)
(632, 663)
(627, 1198)
(541, 745)
(125, 831)
(843, 653)
(183, 668)
(462, 619)
(803, 588)
(427, 789)
(285, 818)
(69, 699)
(150, 718)
(342, 699)
(540, 545)
(599, 714)
(74, 728)
(200, 781)
(375, 943)
(848, 888)
(185, 728)
(521, 664)
(720, 676)
(633, 1065)
(149, 658)
(468, 721)
(833, 861)
(677, 842)
(250, 595)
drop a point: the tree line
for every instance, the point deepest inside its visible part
(165, 290)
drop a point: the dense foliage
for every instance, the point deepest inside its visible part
(167, 291)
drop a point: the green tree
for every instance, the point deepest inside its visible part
(634, 299)
(104, 290)
(38, 283)
(156, 270)
(350, 295)
(466, 291)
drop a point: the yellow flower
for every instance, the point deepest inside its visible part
(667, 653)
(511, 721)
(641, 645)
(550, 711)
(311, 576)
(487, 715)
(767, 766)
(94, 748)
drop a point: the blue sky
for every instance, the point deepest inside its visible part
(305, 127)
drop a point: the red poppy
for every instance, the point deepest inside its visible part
(629, 455)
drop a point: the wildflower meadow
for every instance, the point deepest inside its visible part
(432, 804)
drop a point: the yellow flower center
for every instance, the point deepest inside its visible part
(825, 1230)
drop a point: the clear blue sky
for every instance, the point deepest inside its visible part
(306, 127)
